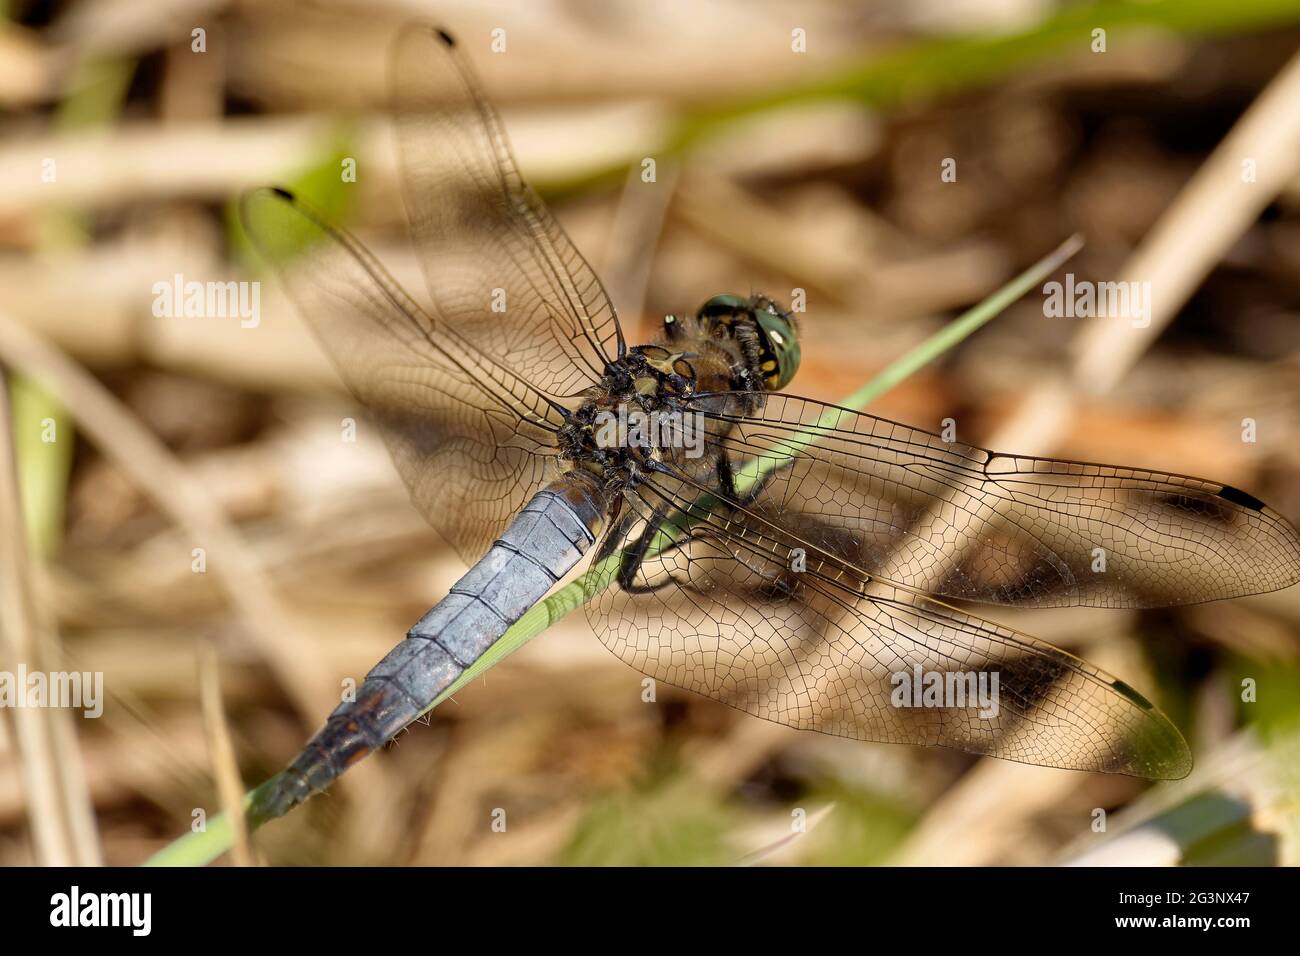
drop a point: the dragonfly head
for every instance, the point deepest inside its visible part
(772, 329)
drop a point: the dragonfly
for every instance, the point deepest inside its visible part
(788, 557)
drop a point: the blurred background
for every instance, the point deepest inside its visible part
(796, 146)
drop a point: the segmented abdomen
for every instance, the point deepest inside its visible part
(540, 546)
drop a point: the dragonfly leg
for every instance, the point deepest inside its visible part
(633, 558)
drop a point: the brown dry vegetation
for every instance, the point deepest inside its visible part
(176, 434)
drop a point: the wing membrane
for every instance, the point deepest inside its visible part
(967, 523)
(721, 612)
(470, 438)
(500, 268)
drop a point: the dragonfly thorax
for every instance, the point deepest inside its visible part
(637, 416)
(640, 417)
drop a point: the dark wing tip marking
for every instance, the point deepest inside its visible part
(1239, 497)
(444, 36)
(1132, 694)
(1159, 750)
(283, 193)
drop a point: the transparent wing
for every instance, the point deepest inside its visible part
(705, 595)
(471, 439)
(500, 269)
(967, 523)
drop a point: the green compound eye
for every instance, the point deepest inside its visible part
(779, 358)
(781, 347)
(723, 305)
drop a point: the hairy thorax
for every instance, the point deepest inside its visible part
(647, 412)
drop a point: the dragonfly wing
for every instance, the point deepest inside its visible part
(500, 268)
(967, 523)
(721, 611)
(471, 439)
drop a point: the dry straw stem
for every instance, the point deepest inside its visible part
(1211, 213)
(638, 226)
(139, 454)
(774, 849)
(729, 216)
(58, 804)
(25, 67)
(123, 27)
(289, 652)
(140, 162)
(148, 163)
(1242, 812)
(222, 754)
